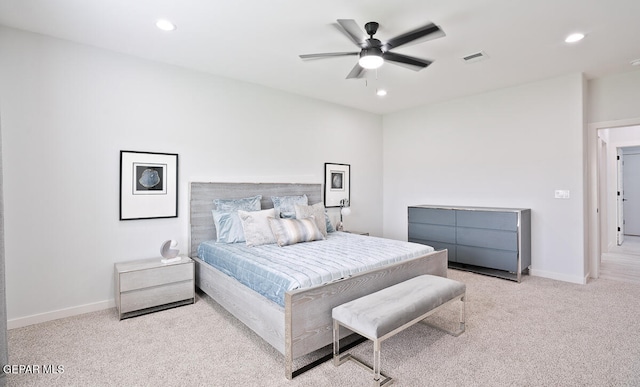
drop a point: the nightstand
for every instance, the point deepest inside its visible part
(148, 285)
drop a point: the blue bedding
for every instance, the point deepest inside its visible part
(272, 270)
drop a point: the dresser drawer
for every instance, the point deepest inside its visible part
(158, 295)
(432, 232)
(494, 239)
(490, 258)
(141, 279)
(494, 220)
(432, 216)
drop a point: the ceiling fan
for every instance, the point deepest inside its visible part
(373, 53)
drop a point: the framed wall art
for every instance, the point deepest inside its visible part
(148, 185)
(337, 184)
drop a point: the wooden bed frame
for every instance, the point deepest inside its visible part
(304, 325)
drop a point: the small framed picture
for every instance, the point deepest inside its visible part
(337, 182)
(148, 185)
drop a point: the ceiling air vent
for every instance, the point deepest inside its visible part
(475, 57)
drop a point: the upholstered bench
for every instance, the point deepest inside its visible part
(382, 314)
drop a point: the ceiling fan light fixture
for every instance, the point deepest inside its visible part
(371, 58)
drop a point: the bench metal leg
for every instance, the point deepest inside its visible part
(379, 379)
(336, 344)
(376, 363)
(462, 314)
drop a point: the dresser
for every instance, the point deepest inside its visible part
(492, 241)
(148, 285)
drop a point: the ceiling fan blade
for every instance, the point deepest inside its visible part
(328, 55)
(353, 32)
(410, 62)
(431, 31)
(356, 72)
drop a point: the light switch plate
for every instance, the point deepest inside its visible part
(562, 194)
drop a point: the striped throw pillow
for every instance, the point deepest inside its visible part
(291, 231)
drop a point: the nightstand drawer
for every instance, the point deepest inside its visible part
(141, 279)
(159, 295)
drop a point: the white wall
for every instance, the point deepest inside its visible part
(615, 97)
(69, 109)
(507, 148)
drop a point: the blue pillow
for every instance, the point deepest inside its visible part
(245, 204)
(330, 227)
(228, 227)
(285, 205)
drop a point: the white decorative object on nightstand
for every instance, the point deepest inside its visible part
(168, 250)
(148, 285)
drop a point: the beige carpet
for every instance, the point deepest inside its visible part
(537, 333)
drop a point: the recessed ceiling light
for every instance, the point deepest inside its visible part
(165, 25)
(574, 38)
(381, 92)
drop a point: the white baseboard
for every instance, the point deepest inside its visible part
(558, 276)
(58, 314)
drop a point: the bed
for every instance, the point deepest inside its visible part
(301, 323)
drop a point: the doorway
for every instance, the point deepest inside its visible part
(617, 203)
(631, 191)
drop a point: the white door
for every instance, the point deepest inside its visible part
(620, 196)
(631, 195)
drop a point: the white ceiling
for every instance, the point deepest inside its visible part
(259, 41)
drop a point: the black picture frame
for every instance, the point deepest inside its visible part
(337, 184)
(148, 185)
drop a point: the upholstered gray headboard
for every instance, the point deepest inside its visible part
(201, 196)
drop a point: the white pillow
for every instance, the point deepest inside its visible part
(315, 210)
(256, 227)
